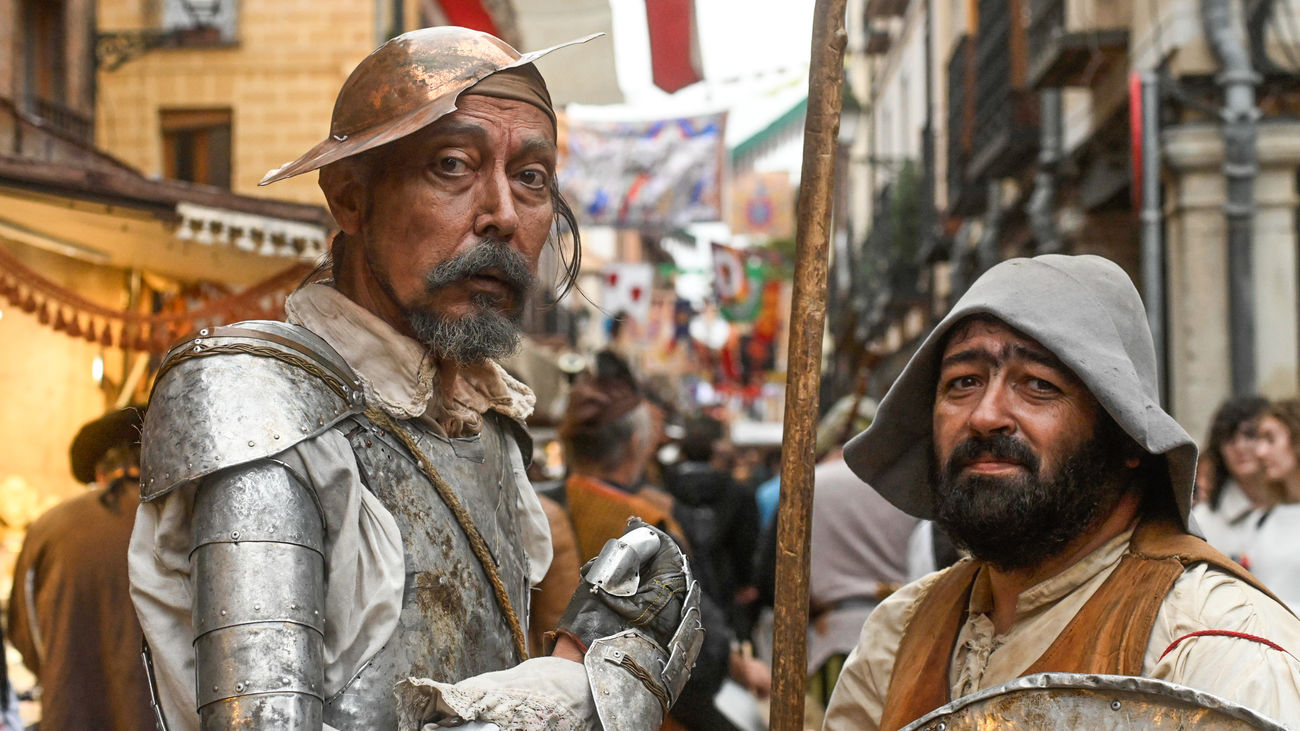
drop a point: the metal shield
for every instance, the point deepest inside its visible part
(1068, 700)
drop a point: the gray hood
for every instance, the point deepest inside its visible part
(1085, 310)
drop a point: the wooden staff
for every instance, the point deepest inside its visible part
(807, 319)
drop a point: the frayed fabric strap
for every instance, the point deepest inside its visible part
(1223, 633)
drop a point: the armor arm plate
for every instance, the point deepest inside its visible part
(259, 593)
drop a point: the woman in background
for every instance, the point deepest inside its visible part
(1236, 493)
(1274, 555)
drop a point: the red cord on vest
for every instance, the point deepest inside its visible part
(1223, 633)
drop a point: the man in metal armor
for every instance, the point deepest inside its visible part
(1028, 424)
(337, 530)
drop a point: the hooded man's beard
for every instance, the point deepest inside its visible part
(1020, 521)
(492, 330)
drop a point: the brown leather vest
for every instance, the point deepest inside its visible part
(1109, 634)
(600, 512)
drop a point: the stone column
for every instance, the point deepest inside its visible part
(1197, 284)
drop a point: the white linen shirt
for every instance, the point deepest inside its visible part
(1246, 672)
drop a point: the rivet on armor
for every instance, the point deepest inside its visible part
(257, 607)
(941, 727)
(239, 687)
(214, 689)
(204, 333)
(234, 535)
(250, 442)
(223, 612)
(277, 436)
(198, 348)
(1114, 705)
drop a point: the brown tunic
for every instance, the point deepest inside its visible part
(1109, 634)
(81, 637)
(600, 512)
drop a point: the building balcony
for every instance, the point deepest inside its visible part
(965, 196)
(62, 120)
(885, 8)
(1064, 51)
(877, 41)
(1006, 112)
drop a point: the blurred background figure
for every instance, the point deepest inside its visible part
(9, 719)
(552, 593)
(70, 614)
(610, 431)
(1274, 553)
(719, 518)
(859, 552)
(1235, 491)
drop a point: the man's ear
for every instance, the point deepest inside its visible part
(342, 184)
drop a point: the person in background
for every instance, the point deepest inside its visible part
(858, 558)
(609, 433)
(70, 613)
(720, 519)
(1236, 492)
(9, 718)
(1274, 552)
(552, 593)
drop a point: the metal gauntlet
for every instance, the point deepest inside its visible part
(637, 614)
(259, 599)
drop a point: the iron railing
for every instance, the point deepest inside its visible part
(62, 119)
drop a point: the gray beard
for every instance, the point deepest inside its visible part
(491, 331)
(468, 339)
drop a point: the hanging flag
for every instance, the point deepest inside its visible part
(738, 281)
(657, 174)
(730, 281)
(625, 290)
(471, 14)
(674, 44)
(762, 204)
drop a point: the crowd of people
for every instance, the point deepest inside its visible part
(336, 526)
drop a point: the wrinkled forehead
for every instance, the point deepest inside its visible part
(989, 330)
(987, 339)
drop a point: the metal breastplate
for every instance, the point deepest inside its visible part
(450, 626)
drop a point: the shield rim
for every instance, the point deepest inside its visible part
(1091, 681)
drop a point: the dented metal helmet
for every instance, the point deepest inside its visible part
(405, 85)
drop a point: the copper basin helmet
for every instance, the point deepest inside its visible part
(405, 85)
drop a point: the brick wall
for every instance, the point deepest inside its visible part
(279, 80)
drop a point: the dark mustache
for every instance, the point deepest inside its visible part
(490, 256)
(1003, 447)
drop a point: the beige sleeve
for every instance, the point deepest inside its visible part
(859, 696)
(1239, 669)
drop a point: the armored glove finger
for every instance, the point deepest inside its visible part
(638, 581)
(637, 616)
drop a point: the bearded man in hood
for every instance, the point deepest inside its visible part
(1031, 412)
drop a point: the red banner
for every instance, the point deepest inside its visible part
(674, 54)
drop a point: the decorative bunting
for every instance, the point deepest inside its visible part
(650, 175)
(64, 310)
